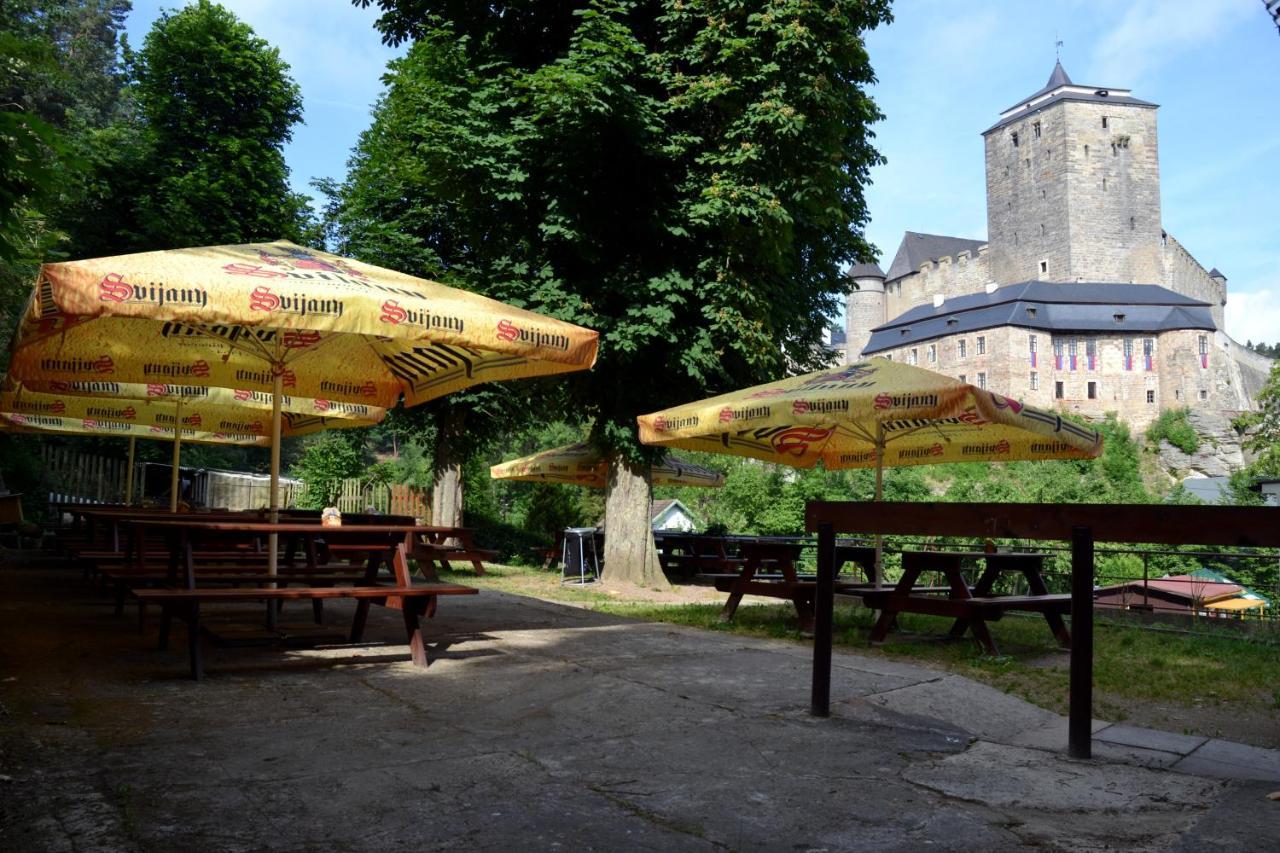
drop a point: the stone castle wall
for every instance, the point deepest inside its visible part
(1183, 274)
(1178, 376)
(945, 277)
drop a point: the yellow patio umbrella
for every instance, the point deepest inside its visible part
(22, 422)
(278, 318)
(157, 411)
(583, 465)
(871, 414)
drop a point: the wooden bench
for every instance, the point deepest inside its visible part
(428, 553)
(413, 601)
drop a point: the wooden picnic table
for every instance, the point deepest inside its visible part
(973, 606)
(779, 555)
(387, 544)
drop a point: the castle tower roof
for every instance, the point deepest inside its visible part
(871, 270)
(1060, 88)
(1058, 77)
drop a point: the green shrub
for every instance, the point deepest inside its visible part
(1174, 427)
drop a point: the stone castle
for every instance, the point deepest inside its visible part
(1079, 300)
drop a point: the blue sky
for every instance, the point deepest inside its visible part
(947, 68)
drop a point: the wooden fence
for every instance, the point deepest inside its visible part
(86, 475)
(357, 495)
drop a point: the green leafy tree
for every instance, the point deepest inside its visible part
(685, 177)
(218, 106)
(1265, 438)
(327, 459)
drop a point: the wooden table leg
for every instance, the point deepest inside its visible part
(982, 589)
(890, 613)
(1035, 582)
(412, 611)
(738, 590)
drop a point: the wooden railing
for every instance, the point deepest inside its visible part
(1079, 524)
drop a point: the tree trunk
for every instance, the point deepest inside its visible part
(630, 557)
(446, 493)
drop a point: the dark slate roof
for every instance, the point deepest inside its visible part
(838, 338)
(1057, 80)
(1052, 306)
(916, 249)
(1092, 97)
(866, 271)
(1213, 273)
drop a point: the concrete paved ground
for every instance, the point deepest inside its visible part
(545, 727)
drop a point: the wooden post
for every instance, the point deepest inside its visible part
(823, 601)
(128, 474)
(1080, 718)
(177, 455)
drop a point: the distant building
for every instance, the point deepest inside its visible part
(1079, 300)
(671, 514)
(1206, 595)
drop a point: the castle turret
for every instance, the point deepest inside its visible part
(865, 307)
(1073, 187)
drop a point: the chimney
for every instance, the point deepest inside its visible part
(938, 300)
(991, 287)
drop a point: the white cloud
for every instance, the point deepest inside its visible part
(1254, 315)
(1154, 32)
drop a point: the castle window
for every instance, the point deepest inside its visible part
(1151, 396)
(1057, 391)
(1204, 351)
(951, 321)
(1104, 184)
(1014, 137)
(982, 345)
(1128, 352)
(1092, 390)
(1073, 356)
(1028, 161)
(1091, 353)
(1043, 194)
(1041, 229)
(1031, 312)
(1104, 122)
(933, 353)
(1057, 355)
(1132, 223)
(1177, 393)
(1037, 129)
(1119, 318)
(1086, 152)
(1148, 353)
(1204, 395)
(1044, 265)
(962, 378)
(1035, 381)
(982, 380)
(913, 356)
(1031, 348)
(1006, 171)
(962, 348)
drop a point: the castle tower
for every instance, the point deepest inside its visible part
(1073, 187)
(865, 307)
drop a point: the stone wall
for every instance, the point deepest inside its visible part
(1177, 378)
(1113, 197)
(945, 277)
(1073, 200)
(1184, 274)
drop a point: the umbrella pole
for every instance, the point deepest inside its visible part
(878, 580)
(177, 455)
(277, 391)
(128, 474)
